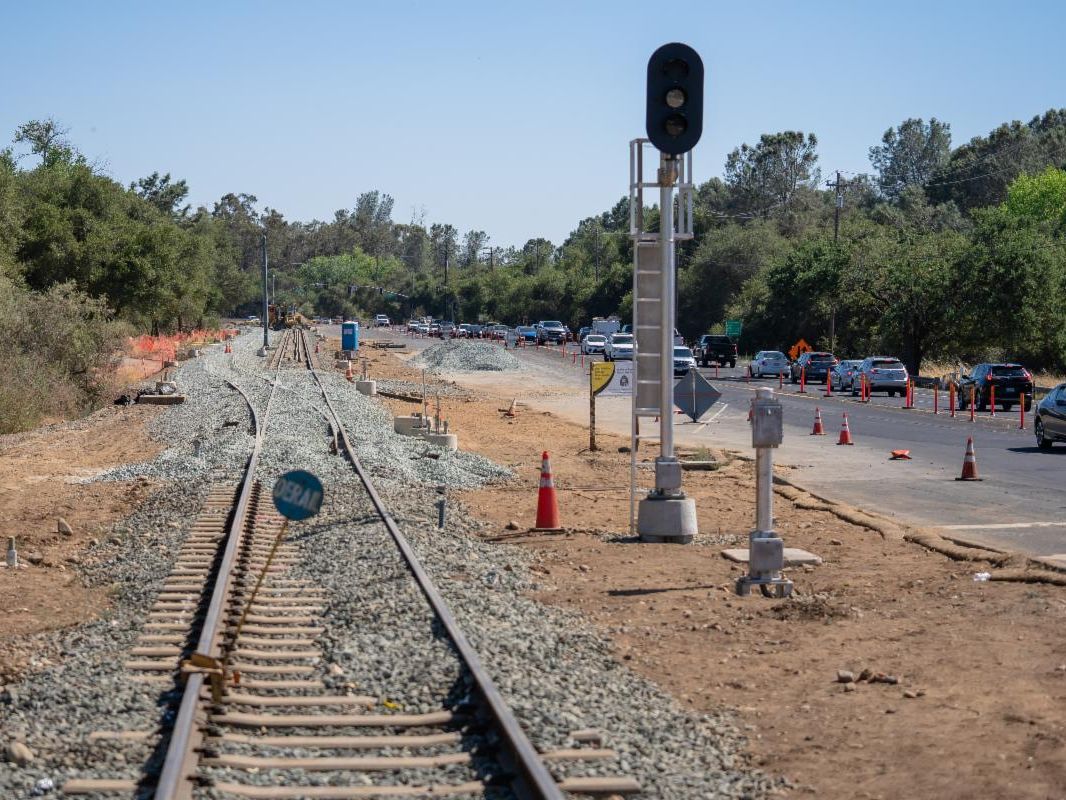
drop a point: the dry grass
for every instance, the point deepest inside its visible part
(942, 369)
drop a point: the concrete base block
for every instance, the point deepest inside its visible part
(410, 425)
(794, 556)
(369, 388)
(342, 364)
(449, 441)
(670, 521)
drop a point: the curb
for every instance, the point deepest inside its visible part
(1028, 568)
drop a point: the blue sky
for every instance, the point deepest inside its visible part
(509, 117)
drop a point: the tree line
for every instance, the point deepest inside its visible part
(938, 251)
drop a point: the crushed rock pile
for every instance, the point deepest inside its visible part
(460, 356)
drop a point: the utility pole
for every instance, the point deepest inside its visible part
(838, 187)
(266, 301)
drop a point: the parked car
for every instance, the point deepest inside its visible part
(1049, 424)
(583, 332)
(683, 360)
(882, 374)
(768, 362)
(713, 347)
(619, 347)
(814, 365)
(381, 321)
(551, 332)
(1012, 381)
(526, 333)
(593, 343)
(843, 373)
(463, 331)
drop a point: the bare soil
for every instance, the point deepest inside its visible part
(979, 709)
(39, 471)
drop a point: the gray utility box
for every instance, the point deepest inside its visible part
(767, 423)
(766, 554)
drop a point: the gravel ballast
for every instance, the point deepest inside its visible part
(557, 672)
(458, 355)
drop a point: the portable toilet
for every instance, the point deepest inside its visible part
(350, 336)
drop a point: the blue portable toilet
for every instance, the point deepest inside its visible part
(350, 336)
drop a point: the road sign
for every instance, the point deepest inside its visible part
(798, 349)
(611, 378)
(298, 495)
(694, 395)
(732, 328)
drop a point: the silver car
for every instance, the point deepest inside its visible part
(768, 362)
(882, 374)
(842, 376)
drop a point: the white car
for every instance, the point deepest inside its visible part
(683, 360)
(619, 347)
(593, 343)
(381, 321)
(769, 362)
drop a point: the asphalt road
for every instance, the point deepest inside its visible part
(1019, 504)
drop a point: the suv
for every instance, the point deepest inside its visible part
(814, 366)
(381, 321)
(1012, 381)
(880, 374)
(551, 331)
(619, 347)
(719, 349)
(1050, 423)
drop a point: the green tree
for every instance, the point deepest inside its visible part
(1039, 197)
(770, 174)
(910, 154)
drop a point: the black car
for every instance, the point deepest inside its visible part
(720, 349)
(1050, 423)
(815, 366)
(1011, 382)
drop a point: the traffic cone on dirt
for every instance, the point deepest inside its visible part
(348, 373)
(547, 503)
(511, 412)
(969, 463)
(818, 429)
(845, 431)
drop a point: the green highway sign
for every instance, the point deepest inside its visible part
(732, 328)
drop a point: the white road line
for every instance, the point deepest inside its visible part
(992, 527)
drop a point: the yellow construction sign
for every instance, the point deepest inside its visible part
(798, 349)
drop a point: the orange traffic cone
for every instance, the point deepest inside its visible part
(348, 373)
(818, 429)
(845, 431)
(547, 504)
(511, 411)
(969, 463)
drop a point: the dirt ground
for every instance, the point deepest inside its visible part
(38, 474)
(979, 709)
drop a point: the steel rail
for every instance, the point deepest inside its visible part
(539, 783)
(179, 765)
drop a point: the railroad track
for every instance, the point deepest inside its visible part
(238, 636)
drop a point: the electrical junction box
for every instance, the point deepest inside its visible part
(767, 423)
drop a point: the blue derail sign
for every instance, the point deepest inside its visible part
(298, 495)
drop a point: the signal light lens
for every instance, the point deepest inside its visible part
(675, 98)
(675, 125)
(676, 69)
